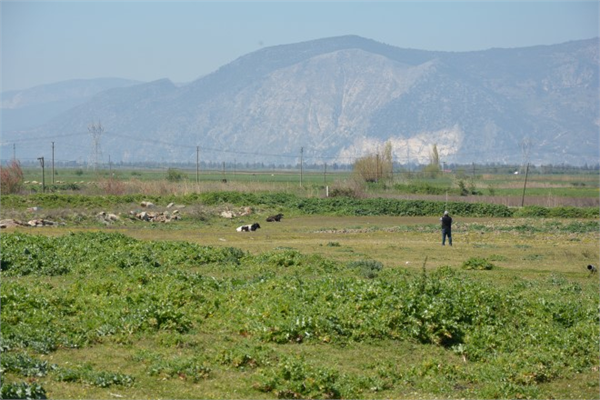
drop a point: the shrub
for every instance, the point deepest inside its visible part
(368, 268)
(422, 188)
(174, 175)
(24, 365)
(22, 390)
(112, 186)
(295, 379)
(343, 192)
(87, 375)
(11, 178)
(478, 263)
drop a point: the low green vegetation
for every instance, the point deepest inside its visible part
(94, 314)
(477, 263)
(349, 296)
(347, 206)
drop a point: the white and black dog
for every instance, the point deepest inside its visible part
(248, 228)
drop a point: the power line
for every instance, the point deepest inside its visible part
(38, 138)
(319, 157)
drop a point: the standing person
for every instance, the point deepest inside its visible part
(446, 228)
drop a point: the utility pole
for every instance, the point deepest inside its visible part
(14, 152)
(197, 164)
(526, 149)
(525, 185)
(53, 163)
(301, 164)
(41, 160)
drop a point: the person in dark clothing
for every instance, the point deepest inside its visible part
(446, 228)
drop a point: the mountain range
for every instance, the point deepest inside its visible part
(330, 101)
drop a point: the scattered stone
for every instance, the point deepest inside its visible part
(11, 223)
(107, 218)
(228, 214)
(155, 216)
(246, 211)
(34, 223)
(40, 222)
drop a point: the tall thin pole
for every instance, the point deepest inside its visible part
(53, 163)
(197, 164)
(14, 152)
(301, 164)
(525, 185)
(41, 160)
(325, 173)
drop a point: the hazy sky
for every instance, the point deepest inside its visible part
(46, 42)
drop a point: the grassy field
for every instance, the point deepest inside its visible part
(542, 189)
(314, 306)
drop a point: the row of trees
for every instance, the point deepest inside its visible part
(375, 167)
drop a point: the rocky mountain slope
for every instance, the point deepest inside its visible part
(339, 98)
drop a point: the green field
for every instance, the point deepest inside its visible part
(494, 186)
(344, 298)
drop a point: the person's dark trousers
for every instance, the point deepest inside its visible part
(448, 233)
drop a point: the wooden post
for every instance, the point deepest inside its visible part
(525, 185)
(41, 160)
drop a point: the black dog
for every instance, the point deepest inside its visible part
(275, 218)
(248, 228)
(592, 269)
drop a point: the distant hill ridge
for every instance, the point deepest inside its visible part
(340, 98)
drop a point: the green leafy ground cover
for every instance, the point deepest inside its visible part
(94, 314)
(346, 206)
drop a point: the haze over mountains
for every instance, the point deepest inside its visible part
(336, 99)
